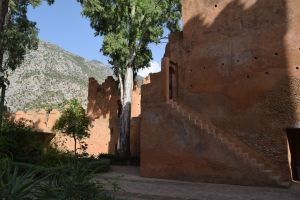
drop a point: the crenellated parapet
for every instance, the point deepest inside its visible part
(40, 120)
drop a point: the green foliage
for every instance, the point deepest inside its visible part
(130, 26)
(56, 158)
(17, 139)
(53, 157)
(73, 122)
(73, 182)
(19, 34)
(18, 186)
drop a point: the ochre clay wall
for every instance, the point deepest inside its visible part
(238, 65)
(135, 121)
(96, 142)
(103, 110)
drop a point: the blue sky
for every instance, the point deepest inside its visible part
(62, 24)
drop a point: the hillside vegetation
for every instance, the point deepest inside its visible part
(50, 75)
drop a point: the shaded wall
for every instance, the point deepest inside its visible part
(103, 109)
(238, 65)
(135, 121)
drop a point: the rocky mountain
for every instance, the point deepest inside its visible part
(50, 75)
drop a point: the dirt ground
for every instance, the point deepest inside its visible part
(134, 187)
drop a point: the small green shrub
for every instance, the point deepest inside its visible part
(18, 139)
(54, 157)
(74, 122)
(21, 181)
(72, 182)
(16, 185)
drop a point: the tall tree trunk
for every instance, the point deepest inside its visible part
(121, 88)
(2, 99)
(127, 92)
(126, 113)
(3, 88)
(75, 145)
(3, 12)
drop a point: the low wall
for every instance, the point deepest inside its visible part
(104, 110)
(98, 142)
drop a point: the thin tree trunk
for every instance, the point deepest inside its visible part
(121, 88)
(3, 12)
(75, 146)
(2, 99)
(3, 89)
(126, 113)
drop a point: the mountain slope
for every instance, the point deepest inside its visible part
(50, 75)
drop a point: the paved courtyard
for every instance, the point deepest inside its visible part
(135, 187)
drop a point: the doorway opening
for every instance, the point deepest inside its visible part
(171, 82)
(293, 135)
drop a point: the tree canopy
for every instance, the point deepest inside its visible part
(129, 26)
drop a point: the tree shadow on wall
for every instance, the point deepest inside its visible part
(237, 73)
(104, 103)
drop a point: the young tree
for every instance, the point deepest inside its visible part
(17, 34)
(128, 27)
(73, 122)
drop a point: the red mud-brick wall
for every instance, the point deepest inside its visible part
(239, 67)
(241, 71)
(103, 109)
(135, 121)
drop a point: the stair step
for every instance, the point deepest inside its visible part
(284, 183)
(269, 171)
(275, 173)
(245, 156)
(233, 145)
(260, 166)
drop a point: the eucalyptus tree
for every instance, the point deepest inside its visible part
(17, 35)
(128, 27)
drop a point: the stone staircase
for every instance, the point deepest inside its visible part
(234, 145)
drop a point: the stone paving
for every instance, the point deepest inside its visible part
(135, 187)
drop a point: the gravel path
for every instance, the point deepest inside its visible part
(135, 187)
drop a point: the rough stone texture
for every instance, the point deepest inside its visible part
(237, 63)
(103, 110)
